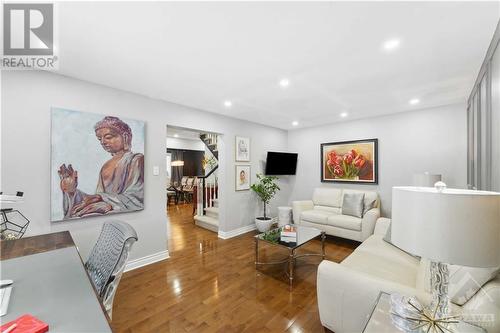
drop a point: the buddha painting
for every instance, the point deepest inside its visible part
(97, 178)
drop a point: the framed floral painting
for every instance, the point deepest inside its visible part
(350, 162)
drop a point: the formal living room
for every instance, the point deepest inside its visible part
(250, 166)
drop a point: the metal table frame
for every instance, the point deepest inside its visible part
(292, 256)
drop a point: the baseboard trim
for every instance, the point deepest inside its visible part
(147, 260)
(236, 232)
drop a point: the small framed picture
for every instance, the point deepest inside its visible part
(242, 145)
(242, 177)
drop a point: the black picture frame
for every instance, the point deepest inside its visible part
(327, 145)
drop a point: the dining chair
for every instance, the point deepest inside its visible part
(107, 260)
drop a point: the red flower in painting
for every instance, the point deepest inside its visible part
(349, 165)
(359, 161)
(338, 171)
(348, 158)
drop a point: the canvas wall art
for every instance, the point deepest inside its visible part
(97, 165)
(242, 149)
(242, 177)
(350, 161)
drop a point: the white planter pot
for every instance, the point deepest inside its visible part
(263, 225)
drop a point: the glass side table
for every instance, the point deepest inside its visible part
(380, 320)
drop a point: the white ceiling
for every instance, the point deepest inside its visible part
(200, 54)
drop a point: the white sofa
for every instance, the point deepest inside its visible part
(347, 291)
(324, 212)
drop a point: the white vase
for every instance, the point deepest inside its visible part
(263, 225)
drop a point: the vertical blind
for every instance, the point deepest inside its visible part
(483, 123)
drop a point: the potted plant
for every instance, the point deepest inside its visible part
(266, 189)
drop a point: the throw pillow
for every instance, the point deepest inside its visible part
(464, 282)
(368, 205)
(353, 204)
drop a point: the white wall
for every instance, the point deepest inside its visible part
(27, 97)
(431, 140)
(178, 143)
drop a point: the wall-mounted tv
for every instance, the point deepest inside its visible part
(280, 164)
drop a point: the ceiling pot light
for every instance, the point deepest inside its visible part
(344, 114)
(284, 83)
(228, 104)
(391, 44)
(295, 123)
(176, 135)
(414, 101)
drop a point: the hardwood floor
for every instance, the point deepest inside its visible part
(211, 285)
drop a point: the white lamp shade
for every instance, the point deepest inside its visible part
(454, 226)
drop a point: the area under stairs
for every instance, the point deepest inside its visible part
(210, 220)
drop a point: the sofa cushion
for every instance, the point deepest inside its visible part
(345, 222)
(332, 210)
(327, 197)
(315, 216)
(370, 196)
(381, 260)
(352, 204)
(376, 245)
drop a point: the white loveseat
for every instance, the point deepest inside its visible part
(324, 212)
(347, 291)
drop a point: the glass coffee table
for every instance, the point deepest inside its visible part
(304, 236)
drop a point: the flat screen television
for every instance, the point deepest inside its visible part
(280, 164)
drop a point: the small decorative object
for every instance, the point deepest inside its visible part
(242, 145)
(350, 161)
(208, 161)
(409, 315)
(288, 234)
(97, 165)
(13, 224)
(242, 175)
(266, 189)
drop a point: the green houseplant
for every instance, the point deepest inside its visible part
(266, 189)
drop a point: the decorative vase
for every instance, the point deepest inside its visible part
(262, 224)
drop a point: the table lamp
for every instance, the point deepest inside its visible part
(446, 226)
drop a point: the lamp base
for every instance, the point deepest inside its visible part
(440, 304)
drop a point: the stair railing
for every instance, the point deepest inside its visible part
(206, 190)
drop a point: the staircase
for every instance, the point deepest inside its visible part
(210, 220)
(210, 141)
(207, 205)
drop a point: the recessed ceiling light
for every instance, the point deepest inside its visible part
(228, 104)
(391, 44)
(295, 123)
(344, 114)
(176, 135)
(284, 83)
(414, 101)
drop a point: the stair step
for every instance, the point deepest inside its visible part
(212, 212)
(207, 222)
